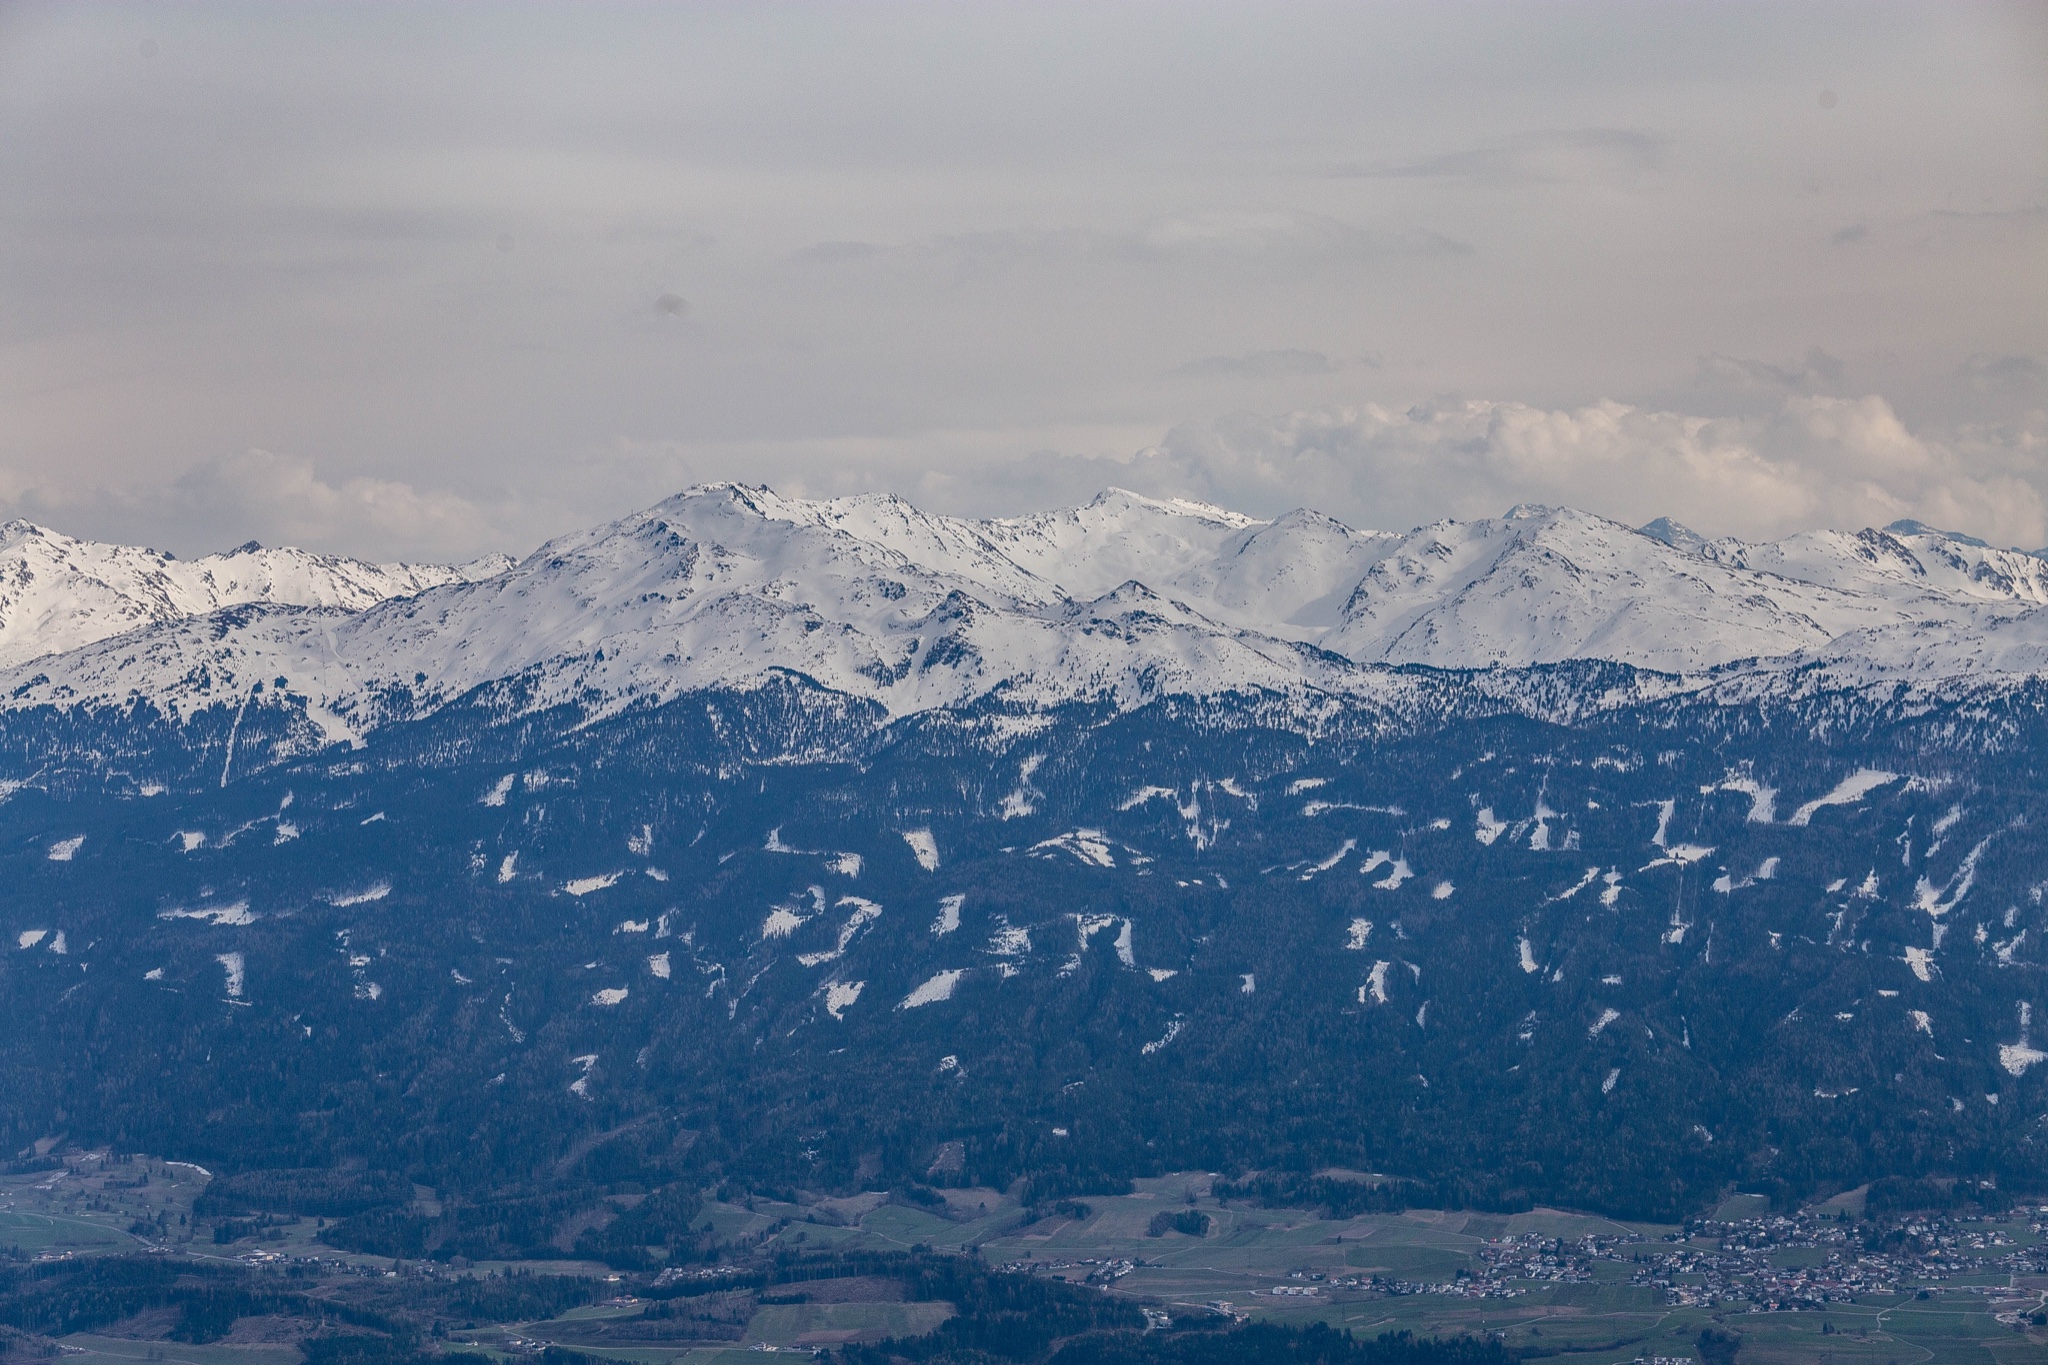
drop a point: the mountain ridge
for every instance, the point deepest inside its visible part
(59, 593)
(1124, 598)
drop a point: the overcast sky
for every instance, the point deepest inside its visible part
(428, 280)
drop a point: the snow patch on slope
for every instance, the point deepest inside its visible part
(938, 988)
(1848, 791)
(923, 847)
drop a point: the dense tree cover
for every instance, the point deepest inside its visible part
(1270, 1344)
(424, 980)
(350, 1321)
(316, 1190)
(356, 1348)
(1191, 1222)
(1718, 1348)
(1330, 1196)
(58, 1298)
(1012, 1317)
(658, 1226)
(1896, 1194)
(517, 1297)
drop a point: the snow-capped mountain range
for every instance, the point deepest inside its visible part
(59, 594)
(1123, 599)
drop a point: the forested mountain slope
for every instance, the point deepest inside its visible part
(813, 846)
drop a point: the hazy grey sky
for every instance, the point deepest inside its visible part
(428, 280)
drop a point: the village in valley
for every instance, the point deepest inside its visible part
(1913, 1284)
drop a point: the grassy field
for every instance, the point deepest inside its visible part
(828, 1324)
(39, 1232)
(91, 1206)
(96, 1350)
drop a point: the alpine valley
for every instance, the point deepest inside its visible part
(805, 847)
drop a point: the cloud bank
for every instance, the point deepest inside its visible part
(1814, 461)
(546, 264)
(1809, 460)
(277, 500)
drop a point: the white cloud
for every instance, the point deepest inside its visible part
(1805, 460)
(277, 500)
(1813, 461)
(285, 495)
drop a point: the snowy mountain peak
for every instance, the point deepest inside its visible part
(1897, 565)
(1675, 534)
(1122, 498)
(1906, 526)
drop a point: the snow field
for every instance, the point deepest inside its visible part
(1400, 872)
(782, 922)
(839, 995)
(233, 915)
(938, 988)
(1763, 800)
(1090, 846)
(1848, 791)
(924, 848)
(1009, 941)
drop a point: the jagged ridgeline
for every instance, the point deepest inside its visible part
(1563, 935)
